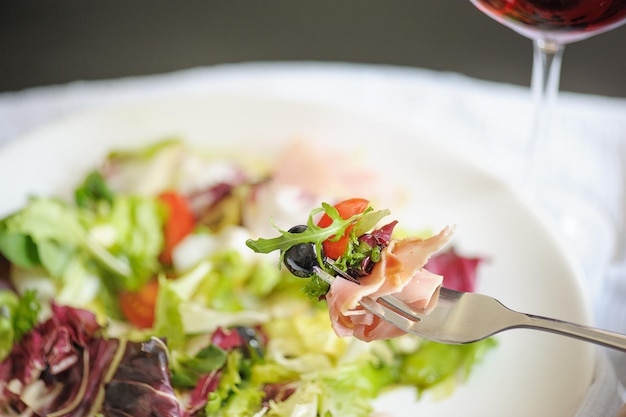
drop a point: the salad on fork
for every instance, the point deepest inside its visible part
(346, 240)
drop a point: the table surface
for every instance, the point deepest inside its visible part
(52, 42)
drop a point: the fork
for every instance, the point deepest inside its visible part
(462, 317)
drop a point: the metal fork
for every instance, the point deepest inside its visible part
(461, 317)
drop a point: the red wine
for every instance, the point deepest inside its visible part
(556, 20)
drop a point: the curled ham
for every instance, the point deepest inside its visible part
(400, 272)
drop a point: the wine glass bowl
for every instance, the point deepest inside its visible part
(558, 21)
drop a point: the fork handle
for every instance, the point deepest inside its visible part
(589, 334)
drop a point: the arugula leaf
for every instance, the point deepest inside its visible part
(362, 222)
(313, 233)
(316, 234)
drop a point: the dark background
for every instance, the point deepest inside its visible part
(45, 42)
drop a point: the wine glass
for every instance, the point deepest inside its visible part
(551, 24)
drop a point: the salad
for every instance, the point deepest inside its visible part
(138, 296)
(346, 241)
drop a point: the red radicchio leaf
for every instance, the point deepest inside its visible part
(226, 339)
(202, 201)
(459, 272)
(379, 237)
(64, 359)
(141, 385)
(277, 392)
(198, 398)
(251, 340)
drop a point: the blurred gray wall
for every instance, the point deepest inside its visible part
(55, 41)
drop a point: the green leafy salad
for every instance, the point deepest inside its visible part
(138, 296)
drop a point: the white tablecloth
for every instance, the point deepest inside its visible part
(482, 128)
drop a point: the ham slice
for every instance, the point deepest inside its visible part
(401, 273)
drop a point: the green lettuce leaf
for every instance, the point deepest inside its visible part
(93, 191)
(235, 395)
(118, 242)
(18, 315)
(147, 170)
(48, 232)
(137, 226)
(187, 370)
(436, 363)
(168, 322)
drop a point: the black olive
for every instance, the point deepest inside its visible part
(301, 258)
(250, 340)
(298, 229)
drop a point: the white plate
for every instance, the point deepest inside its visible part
(528, 374)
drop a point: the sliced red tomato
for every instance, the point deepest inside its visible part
(138, 306)
(179, 223)
(346, 209)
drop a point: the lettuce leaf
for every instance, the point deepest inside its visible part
(147, 170)
(225, 401)
(92, 191)
(187, 370)
(50, 232)
(137, 224)
(119, 242)
(435, 363)
(18, 315)
(168, 322)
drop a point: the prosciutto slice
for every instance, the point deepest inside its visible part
(400, 272)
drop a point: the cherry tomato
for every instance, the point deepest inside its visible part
(138, 306)
(180, 222)
(346, 209)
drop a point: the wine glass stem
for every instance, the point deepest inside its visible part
(545, 86)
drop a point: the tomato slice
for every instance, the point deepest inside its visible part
(346, 209)
(180, 222)
(138, 306)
